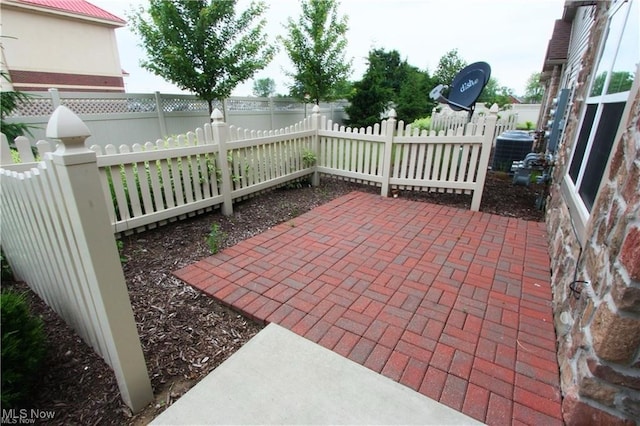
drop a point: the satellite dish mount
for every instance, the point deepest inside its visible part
(465, 88)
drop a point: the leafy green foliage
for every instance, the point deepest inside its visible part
(389, 81)
(534, 90)
(123, 258)
(373, 94)
(23, 348)
(449, 65)
(413, 101)
(203, 46)
(422, 124)
(309, 158)
(316, 46)
(493, 93)
(7, 273)
(264, 87)
(215, 238)
(9, 101)
(620, 81)
(527, 125)
(425, 123)
(342, 89)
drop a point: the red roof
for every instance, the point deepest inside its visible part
(76, 7)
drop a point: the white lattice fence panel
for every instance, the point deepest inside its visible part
(181, 104)
(248, 105)
(287, 105)
(34, 106)
(97, 106)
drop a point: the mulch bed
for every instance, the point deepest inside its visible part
(184, 334)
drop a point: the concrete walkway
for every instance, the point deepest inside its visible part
(451, 303)
(280, 378)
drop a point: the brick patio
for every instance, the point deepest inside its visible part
(452, 303)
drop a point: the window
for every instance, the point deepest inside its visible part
(610, 88)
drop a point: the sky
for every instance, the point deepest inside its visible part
(510, 35)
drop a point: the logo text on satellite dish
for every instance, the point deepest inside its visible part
(468, 85)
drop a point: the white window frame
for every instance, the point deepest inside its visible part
(579, 212)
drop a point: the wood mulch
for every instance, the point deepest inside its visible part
(184, 334)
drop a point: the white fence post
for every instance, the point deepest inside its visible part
(487, 143)
(77, 173)
(5, 151)
(315, 147)
(388, 150)
(220, 136)
(160, 111)
(271, 112)
(225, 108)
(55, 98)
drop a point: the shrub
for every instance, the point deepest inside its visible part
(9, 102)
(15, 156)
(527, 125)
(123, 259)
(422, 124)
(215, 237)
(23, 348)
(7, 273)
(308, 158)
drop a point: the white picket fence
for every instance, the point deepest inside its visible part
(185, 174)
(399, 157)
(449, 120)
(59, 215)
(196, 171)
(57, 238)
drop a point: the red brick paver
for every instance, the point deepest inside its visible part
(452, 303)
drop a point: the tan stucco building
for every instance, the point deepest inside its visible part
(68, 45)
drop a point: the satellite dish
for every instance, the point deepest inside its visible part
(466, 87)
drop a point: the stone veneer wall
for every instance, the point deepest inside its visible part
(599, 333)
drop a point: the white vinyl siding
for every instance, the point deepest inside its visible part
(582, 23)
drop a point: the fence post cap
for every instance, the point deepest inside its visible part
(316, 109)
(65, 124)
(217, 115)
(393, 114)
(494, 109)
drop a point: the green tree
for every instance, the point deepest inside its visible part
(534, 90)
(316, 46)
(389, 81)
(449, 65)
(343, 89)
(412, 100)
(203, 47)
(373, 95)
(493, 93)
(620, 81)
(264, 87)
